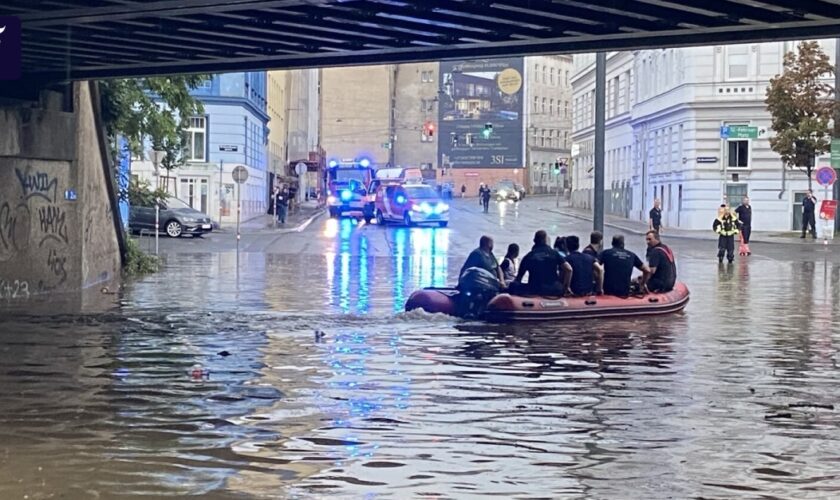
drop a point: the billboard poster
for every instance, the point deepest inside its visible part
(481, 108)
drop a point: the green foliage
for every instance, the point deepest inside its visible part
(802, 106)
(129, 108)
(141, 194)
(137, 262)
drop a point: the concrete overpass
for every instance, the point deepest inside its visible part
(59, 227)
(83, 39)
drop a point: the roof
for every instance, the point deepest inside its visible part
(106, 38)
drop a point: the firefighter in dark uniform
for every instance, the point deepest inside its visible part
(726, 225)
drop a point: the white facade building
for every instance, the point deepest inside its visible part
(664, 113)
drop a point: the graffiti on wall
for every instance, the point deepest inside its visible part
(36, 217)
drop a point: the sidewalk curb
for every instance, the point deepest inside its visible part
(754, 239)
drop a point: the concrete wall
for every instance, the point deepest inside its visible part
(51, 243)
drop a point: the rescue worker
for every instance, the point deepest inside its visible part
(663, 266)
(545, 269)
(483, 258)
(726, 226)
(618, 268)
(587, 273)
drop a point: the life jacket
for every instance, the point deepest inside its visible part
(726, 225)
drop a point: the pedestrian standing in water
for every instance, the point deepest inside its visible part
(726, 226)
(485, 199)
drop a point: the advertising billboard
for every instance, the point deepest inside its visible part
(481, 106)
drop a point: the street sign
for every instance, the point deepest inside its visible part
(229, 147)
(575, 150)
(825, 176)
(240, 174)
(738, 132)
(835, 153)
(828, 209)
(386, 145)
(707, 159)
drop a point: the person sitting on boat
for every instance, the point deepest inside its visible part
(545, 269)
(560, 246)
(587, 273)
(663, 266)
(618, 268)
(510, 262)
(596, 243)
(482, 257)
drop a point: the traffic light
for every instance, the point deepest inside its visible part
(488, 130)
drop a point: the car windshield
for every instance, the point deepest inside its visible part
(504, 185)
(348, 174)
(175, 204)
(420, 192)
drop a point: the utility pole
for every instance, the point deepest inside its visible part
(392, 115)
(836, 134)
(600, 105)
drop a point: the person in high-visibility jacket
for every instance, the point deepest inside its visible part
(727, 226)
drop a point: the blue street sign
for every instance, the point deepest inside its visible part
(70, 194)
(724, 132)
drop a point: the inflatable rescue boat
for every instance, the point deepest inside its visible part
(505, 307)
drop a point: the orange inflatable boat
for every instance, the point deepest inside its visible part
(505, 307)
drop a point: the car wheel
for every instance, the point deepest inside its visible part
(443, 223)
(380, 219)
(407, 219)
(174, 229)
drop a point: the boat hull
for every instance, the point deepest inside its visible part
(506, 307)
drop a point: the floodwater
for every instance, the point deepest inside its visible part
(735, 397)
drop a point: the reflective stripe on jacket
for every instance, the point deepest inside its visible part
(726, 225)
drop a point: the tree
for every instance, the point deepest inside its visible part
(802, 106)
(151, 108)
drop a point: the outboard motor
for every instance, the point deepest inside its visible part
(477, 287)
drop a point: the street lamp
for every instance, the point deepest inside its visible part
(157, 158)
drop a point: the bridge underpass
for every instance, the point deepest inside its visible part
(52, 121)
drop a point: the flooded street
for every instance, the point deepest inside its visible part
(298, 375)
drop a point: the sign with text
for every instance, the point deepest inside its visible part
(480, 113)
(10, 34)
(828, 209)
(738, 132)
(825, 176)
(228, 147)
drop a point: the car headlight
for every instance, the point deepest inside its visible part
(415, 208)
(502, 193)
(441, 207)
(188, 219)
(331, 199)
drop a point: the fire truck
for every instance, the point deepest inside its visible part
(347, 183)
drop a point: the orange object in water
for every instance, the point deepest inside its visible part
(743, 248)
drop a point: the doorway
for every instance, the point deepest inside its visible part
(194, 192)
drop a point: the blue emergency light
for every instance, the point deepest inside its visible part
(333, 163)
(364, 162)
(400, 199)
(346, 195)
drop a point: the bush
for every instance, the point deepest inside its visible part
(138, 263)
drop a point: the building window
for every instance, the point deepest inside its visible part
(196, 139)
(735, 193)
(737, 61)
(551, 76)
(536, 104)
(551, 107)
(738, 154)
(543, 105)
(545, 74)
(426, 76)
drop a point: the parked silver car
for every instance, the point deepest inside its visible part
(176, 219)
